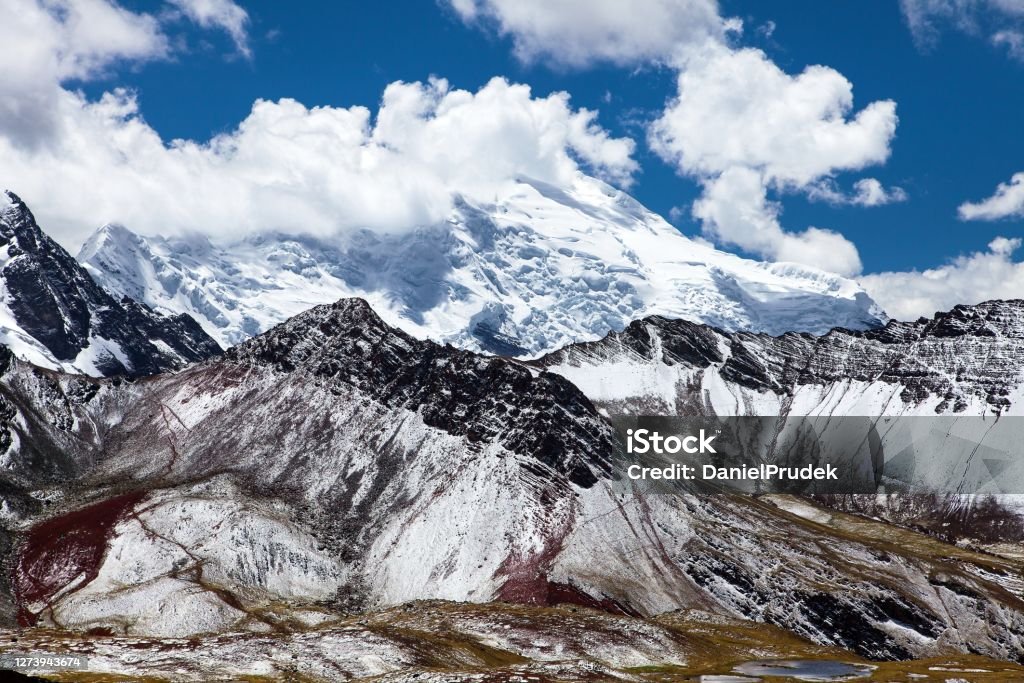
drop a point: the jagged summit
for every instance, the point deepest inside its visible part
(533, 270)
(990, 318)
(56, 316)
(347, 344)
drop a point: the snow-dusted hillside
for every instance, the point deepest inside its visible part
(54, 315)
(335, 463)
(532, 271)
(967, 361)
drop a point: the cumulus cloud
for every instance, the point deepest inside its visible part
(1007, 201)
(870, 192)
(968, 279)
(222, 14)
(82, 162)
(738, 108)
(47, 43)
(580, 32)
(294, 168)
(1001, 21)
(736, 205)
(742, 126)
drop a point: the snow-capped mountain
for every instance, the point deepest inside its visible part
(533, 270)
(336, 463)
(54, 315)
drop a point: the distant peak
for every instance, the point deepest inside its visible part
(10, 200)
(329, 326)
(113, 233)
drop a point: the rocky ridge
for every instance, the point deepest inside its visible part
(56, 316)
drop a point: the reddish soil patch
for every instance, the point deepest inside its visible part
(55, 552)
(567, 594)
(538, 590)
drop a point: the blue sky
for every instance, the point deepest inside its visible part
(960, 104)
(147, 73)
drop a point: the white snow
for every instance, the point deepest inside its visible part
(178, 545)
(88, 359)
(542, 266)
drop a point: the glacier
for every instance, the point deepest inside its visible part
(532, 270)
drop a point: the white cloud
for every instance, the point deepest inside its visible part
(222, 14)
(293, 168)
(969, 279)
(51, 41)
(1007, 201)
(742, 126)
(736, 207)
(580, 32)
(1012, 41)
(1002, 21)
(738, 108)
(870, 192)
(289, 167)
(866, 192)
(47, 43)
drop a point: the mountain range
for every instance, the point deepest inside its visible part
(340, 485)
(204, 501)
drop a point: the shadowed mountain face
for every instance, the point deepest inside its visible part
(335, 463)
(55, 315)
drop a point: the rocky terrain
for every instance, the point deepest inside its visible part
(336, 465)
(448, 642)
(962, 362)
(53, 314)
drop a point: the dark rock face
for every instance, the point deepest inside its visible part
(654, 338)
(462, 393)
(55, 301)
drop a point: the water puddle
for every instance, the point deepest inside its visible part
(811, 670)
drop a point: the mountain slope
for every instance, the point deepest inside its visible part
(337, 463)
(966, 361)
(536, 269)
(53, 314)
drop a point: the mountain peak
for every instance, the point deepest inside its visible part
(8, 198)
(529, 271)
(1004, 318)
(109, 236)
(55, 315)
(348, 327)
(345, 346)
(16, 219)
